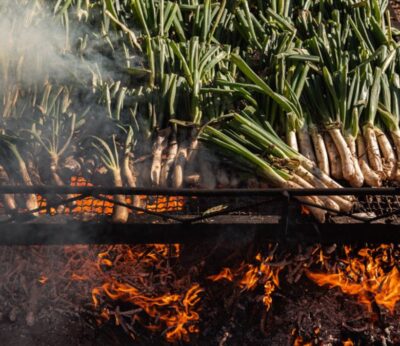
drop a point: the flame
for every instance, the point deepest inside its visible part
(77, 277)
(249, 276)
(371, 275)
(225, 273)
(348, 342)
(43, 279)
(174, 312)
(300, 342)
(92, 205)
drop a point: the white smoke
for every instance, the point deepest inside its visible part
(33, 44)
(36, 45)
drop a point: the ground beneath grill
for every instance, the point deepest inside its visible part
(319, 315)
(61, 312)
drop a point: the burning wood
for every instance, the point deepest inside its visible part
(174, 314)
(148, 289)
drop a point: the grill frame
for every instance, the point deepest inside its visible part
(285, 223)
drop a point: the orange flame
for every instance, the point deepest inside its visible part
(249, 276)
(43, 279)
(371, 276)
(176, 313)
(225, 273)
(77, 277)
(300, 342)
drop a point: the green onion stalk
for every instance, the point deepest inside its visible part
(289, 105)
(198, 60)
(280, 157)
(371, 142)
(55, 131)
(325, 113)
(275, 176)
(110, 158)
(327, 92)
(357, 101)
(128, 169)
(389, 113)
(13, 162)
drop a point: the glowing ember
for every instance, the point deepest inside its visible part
(305, 210)
(90, 205)
(371, 275)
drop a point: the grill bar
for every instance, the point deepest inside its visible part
(181, 215)
(107, 233)
(92, 190)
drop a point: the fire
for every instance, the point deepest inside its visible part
(43, 279)
(249, 276)
(370, 274)
(300, 342)
(77, 277)
(225, 273)
(90, 205)
(175, 313)
(173, 310)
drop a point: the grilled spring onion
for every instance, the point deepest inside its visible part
(168, 165)
(269, 142)
(110, 159)
(388, 110)
(371, 178)
(321, 153)
(179, 169)
(273, 175)
(12, 153)
(159, 146)
(8, 199)
(280, 156)
(127, 169)
(208, 177)
(57, 133)
(334, 158)
(371, 142)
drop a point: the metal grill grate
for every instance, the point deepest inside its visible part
(378, 206)
(84, 202)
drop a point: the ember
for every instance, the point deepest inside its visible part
(90, 205)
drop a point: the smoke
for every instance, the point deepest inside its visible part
(32, 46)
(37, 45)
